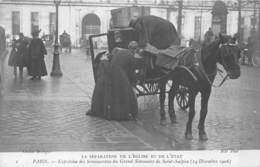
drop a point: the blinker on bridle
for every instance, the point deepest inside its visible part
(227, 44)
(218, 70)
(223, 60)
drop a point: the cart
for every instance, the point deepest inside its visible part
(120, 37)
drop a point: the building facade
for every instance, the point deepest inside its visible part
(80, 18)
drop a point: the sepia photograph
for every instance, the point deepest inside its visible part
(180, 77)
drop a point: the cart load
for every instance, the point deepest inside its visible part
(122, 16)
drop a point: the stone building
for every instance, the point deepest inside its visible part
(82, 17)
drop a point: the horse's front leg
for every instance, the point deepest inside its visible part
(188, 132)
(171, 110)
(162, 87)
(203, 113)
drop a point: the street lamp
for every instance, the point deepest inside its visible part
(56, 71)
(179, 22)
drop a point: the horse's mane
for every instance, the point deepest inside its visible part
(215, 44)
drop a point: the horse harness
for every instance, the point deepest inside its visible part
(197, 63)
(202, 69)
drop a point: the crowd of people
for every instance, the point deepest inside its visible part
(28, 54)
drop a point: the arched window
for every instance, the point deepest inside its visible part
(90, 24)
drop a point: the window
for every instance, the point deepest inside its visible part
(52, 25)
(15, 22)
(197, 28)
(34, 21)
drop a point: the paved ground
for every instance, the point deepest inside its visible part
(233, 120)
(49, 115)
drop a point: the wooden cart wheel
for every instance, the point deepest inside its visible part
(182, 97)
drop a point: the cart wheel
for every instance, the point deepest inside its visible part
(182, 97)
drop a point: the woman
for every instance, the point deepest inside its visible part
(113, 97)
(12, 61)
(36, 52)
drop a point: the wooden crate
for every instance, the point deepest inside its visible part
(122, 16)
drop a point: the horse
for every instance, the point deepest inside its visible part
(221, 51)
(199, 79)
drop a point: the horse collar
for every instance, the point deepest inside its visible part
(201, 67)
(206, 76)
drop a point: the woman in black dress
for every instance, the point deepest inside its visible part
(36, 52)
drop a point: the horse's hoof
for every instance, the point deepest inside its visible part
(203, 137)
(163, 122)
(188, 136)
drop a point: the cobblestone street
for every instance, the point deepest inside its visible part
(49, 115)
(232, 122)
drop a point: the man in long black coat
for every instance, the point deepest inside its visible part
(208, 37)
(22, 53)
(154, 30)
(113, 97)
(37, 51)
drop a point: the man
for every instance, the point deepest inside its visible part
(65, 41)
(124, 58)
(154, 30)
(252, 45)
(37, 51)
(22, 53)
(134, 49)
(208, 36)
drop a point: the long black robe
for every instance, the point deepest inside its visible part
(36, 54)
(22, 53)
(154, 30)
(113, 97)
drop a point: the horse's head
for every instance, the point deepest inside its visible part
(229, 54)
